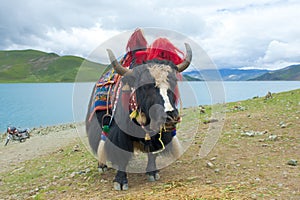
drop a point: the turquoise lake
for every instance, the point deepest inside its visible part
(34, 105)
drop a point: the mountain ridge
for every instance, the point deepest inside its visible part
(289, 73)
(225, 74)
(24, 66)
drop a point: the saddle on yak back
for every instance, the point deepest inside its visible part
(105, 91)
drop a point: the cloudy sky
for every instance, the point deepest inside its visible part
(243, 34)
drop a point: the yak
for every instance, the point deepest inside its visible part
(143, 117)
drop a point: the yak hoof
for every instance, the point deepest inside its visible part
(119, 187)
(102, 168)
(125, 186)
(153, 177)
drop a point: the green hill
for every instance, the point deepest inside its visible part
(32, 66)
(290, 73)
(37, 66)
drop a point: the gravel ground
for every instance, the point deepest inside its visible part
(42, 141)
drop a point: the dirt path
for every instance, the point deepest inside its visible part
(42, 142)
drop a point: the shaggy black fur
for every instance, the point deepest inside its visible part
(124, 132)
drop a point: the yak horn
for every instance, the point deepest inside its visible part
(117, 66)
(182, 66)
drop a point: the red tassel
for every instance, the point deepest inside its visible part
(163, 49)
(136, 41)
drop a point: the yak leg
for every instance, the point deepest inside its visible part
(119, 148)
(102, 167)
(151, 169)
(121, 181)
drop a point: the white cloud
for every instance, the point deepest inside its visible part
(240, 37)
(282, 50)
(74, 41)
(279, 54)
(252, 33)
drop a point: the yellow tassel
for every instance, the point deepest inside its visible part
(133, 115)
(161, 142)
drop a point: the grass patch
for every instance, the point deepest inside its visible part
(48, 174)
(242, 167)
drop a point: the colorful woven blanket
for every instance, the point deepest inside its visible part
(105, 91)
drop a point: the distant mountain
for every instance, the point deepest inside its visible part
(240, 74)
(290, 73)
(38, 66)
(190, 78)
(226, 74)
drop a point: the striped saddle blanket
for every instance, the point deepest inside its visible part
(105, 91)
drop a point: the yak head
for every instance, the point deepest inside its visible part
(152, 87)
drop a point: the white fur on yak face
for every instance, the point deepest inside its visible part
(160, 75)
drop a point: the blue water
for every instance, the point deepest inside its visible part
(35, 105)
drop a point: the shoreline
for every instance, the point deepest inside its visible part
(42, 141)
(51, 129)
(44, 130)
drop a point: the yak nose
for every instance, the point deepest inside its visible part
(157, 117)
(173, 114)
